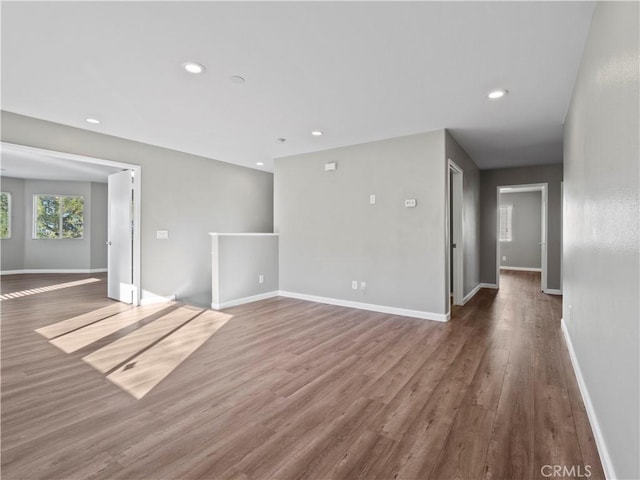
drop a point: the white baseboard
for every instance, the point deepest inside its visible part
(53, 270)
(243, 300)
(438, 317)
(520, 269)
(472, 293)
(149, 298)
(489, 285)
(605, 458)
(552, 291)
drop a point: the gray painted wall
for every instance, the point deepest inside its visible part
(22, 252)
(489, 181)
(331, 235)
(524, 249)
(471, 211)
(12, 249)
(601, 239)
(185, 194)
(240, 260)
(99, 211)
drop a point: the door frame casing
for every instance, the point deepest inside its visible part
(137, 196)
(455, 219)
(544, 189)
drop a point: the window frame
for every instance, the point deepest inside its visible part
(60, 196)
(9, 207)
(509, 219)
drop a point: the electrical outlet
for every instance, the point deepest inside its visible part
(260, 278)
(410, 203)
(354, 284)
(363, 287)
(372, 199)
(162, 234)
(504, 258)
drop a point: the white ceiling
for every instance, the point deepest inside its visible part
(358, 71)
(33, 164)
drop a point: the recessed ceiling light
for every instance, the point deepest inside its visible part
(499, 93)
(193, 67)
(316, 133)
(260, 164)
(95, 121)
(237, 79)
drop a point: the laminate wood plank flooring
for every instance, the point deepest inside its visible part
(125, 348)
(148, 368)
(74, 323)
(285, 389)
(83, 337)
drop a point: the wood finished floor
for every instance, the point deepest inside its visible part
(288, 389)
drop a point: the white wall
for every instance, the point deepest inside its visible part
(601, 235)
(330, 234)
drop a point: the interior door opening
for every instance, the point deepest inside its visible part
(521, 230)
(102, 168)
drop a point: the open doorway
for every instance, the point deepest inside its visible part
(35, 163)
(455, 235)
(521, 230)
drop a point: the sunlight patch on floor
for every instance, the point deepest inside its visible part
(140, 360)
(48, 288)
(121, 350)
(146, 370)
(66, 326)
(82, 337)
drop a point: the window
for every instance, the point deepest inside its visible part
(58, 216)
(506, 215)
(5, 215)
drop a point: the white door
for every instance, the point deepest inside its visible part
(120, 234)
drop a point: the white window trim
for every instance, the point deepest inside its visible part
(35, 216)
(509, 219)
(8, 194)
